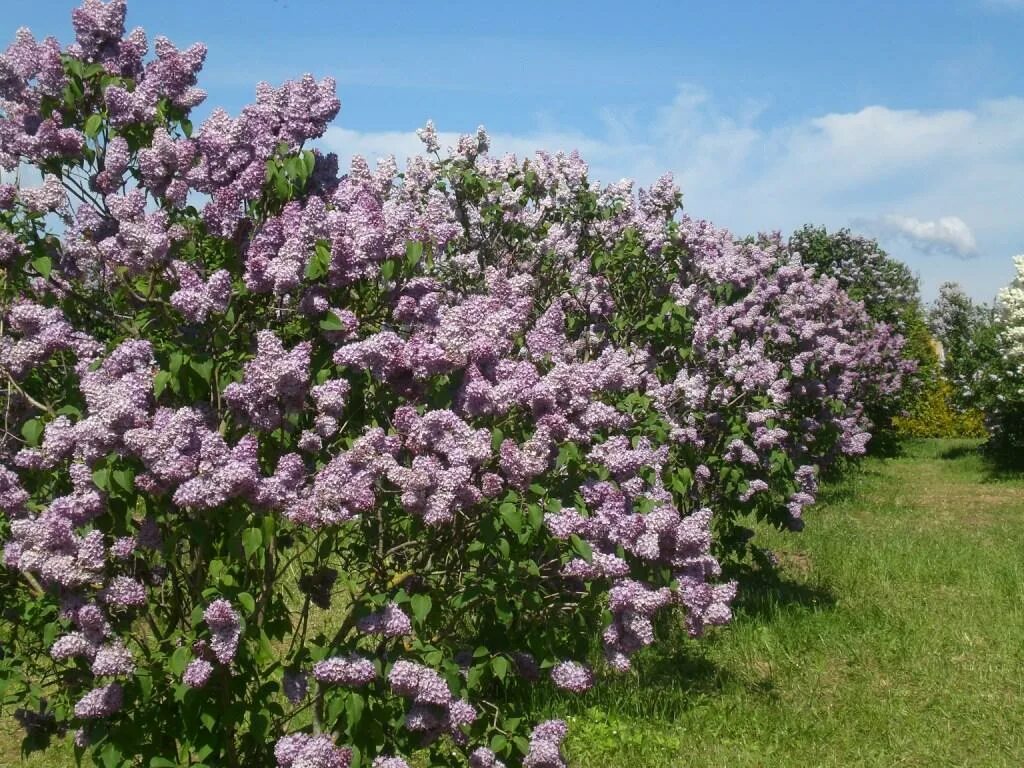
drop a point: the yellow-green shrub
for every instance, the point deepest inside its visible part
(934, 415)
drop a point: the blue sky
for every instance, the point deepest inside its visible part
(903, 120)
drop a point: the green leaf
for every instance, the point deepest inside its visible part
(421, 605)
(282, 186)
(500, 665)
(162, 762)
(204, 368)
(308, 162)
(581, 548)
(512, 516)
(413, 253)
(335, 705)
(160, 382)
(124, 478)
(536, 515)
(179, 659)
(43, 265)
(32, 431)
(259, 724)
(331, 323)
(111, 756)
(268, 526)
(50, 633)
(252, 540)
(93, 123)
(319, 264)
(247, 602)
(473, 677)
(265, 652)
(354, 706)
(73, 66)
(146, 685)
(682, 479)
(101, 477)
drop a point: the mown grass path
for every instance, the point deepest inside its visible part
(894, 637)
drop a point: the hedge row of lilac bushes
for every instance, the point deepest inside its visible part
(311, 468)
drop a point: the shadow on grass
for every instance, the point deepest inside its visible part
(885, 444)
(667, 680)
(846, 485)
(673, 677)
(959, 452)
(996, 472)
(837, 491)
(764, 593)
(997, 465)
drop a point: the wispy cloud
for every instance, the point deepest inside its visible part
(948, 234)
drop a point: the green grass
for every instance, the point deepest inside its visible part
(893, 637)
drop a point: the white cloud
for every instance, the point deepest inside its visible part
(948, 234)
(940, 168)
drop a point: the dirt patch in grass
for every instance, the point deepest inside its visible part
(966, 509)
(947, 497)
(796, 563)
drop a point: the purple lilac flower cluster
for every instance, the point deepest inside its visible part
(225, 630)
(434, 710)
(352, 671)
(546, 745)
(301, 751)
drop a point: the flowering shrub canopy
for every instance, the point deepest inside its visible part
(323, 469)
(969, 335)
(890, 294)
(990, 370)
(865, 271)
(1011, 304)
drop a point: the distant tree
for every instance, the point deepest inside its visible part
(890, 294)
(998, 384)
(1011, 307)
(888, 288)
(970, 339)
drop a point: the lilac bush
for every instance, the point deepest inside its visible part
(988, 368)
(758, 373)
(891, 295)
(318, 469)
